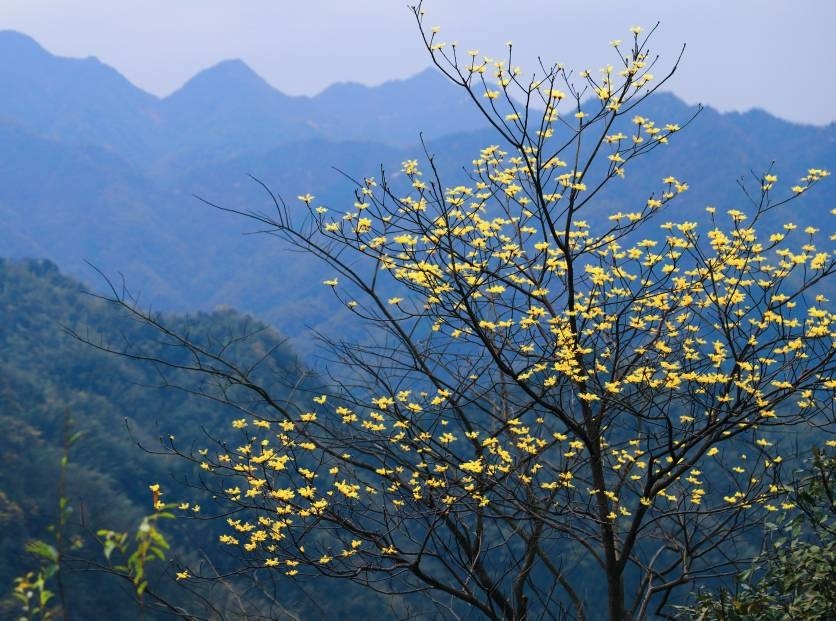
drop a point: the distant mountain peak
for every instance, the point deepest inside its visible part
(227, 74)
(429, 77)
(13, 42)
(427, 74)
(231, 67)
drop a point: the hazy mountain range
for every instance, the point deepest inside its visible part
(94, 169)
(221, 112)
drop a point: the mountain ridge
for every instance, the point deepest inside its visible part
(223, 110)
(21, 40)
(120, 193)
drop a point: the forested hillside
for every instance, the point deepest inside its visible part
(123, 413)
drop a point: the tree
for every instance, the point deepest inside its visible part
(553, 406)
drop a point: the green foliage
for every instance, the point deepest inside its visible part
(34, 596)
(149, 544)
(795, 577)
(31, 589)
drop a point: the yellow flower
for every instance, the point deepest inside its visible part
(474, 466)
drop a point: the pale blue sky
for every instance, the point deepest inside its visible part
(771, 54)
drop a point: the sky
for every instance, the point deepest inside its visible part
(741, 54)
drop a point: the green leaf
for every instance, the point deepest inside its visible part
(42, 550)
(109, 546)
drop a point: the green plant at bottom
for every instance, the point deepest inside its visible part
(34, 596)
(796, 578)
(149, 544)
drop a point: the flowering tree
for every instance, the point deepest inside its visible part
(550, 408)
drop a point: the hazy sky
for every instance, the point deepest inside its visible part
(771, 54)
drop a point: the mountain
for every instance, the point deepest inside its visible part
(205, 115)
(73, 203)
(220, 113)
(397, 110)
(80, 101)
(719, 150)
(74, 194)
